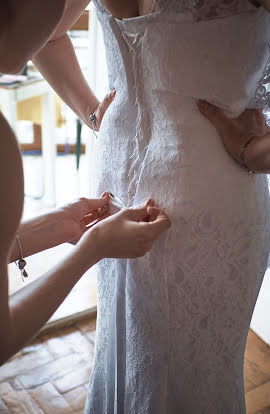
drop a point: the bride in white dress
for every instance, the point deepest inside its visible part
(172, 326)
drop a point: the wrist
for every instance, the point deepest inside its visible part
(244, 155)
(14, 252)
(88, 250)
(41, 233)
(258, 155)
(91, 109)
(60, 225)
(94, 235)
(65, 225)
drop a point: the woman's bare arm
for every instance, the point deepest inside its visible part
(121, 235)
(39, 234)
(30, 308)
(59, 65)
(25, 27)
(24, 313)
(67, 224)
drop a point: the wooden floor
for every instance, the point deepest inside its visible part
(50, 376)
(257, 376)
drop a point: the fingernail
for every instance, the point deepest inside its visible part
(113, 93)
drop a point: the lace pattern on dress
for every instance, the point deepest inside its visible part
(200, 10)
(203, 9)
(262, 94)
(198, 284)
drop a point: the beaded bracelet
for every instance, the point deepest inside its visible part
(21, 263)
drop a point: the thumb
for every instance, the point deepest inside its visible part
(216, 116)
(137, 214)
(153, 212)
(103, 106)
(95, 203)
(161, 222)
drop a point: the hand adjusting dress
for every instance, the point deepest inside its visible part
(172, 326)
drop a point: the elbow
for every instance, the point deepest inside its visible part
(7, 350)
(2, 360)
(11, 69)
(12, 64)
(12, 60)
(4, 356)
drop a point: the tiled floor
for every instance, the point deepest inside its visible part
(50, 376)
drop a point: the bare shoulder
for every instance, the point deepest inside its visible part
(11, 185)
(265, 4)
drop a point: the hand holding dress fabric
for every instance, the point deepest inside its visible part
(81, 213)
(127, 234)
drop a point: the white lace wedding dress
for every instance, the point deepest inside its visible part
(172, 326)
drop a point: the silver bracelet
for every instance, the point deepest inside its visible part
(93, 118)
(21, 263)
(243, 154)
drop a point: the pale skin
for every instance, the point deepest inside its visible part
(127, 234)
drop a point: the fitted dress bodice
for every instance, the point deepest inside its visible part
(160, 64)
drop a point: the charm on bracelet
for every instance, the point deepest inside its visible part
(93, 119)
(21, 263)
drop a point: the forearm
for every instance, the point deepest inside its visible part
(32, 306)
(257, 155)
(59, 65)
(41, 233)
